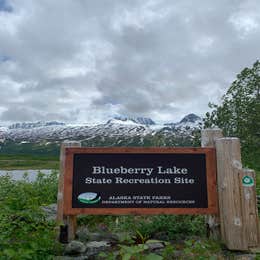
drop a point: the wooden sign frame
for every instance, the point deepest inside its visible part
(210, 156)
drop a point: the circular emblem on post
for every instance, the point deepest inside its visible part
(248, 181)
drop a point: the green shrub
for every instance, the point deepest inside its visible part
(24, 231)
(172, 226)
(169, 227)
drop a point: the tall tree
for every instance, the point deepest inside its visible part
(239, 113)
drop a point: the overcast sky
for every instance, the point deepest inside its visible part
(85, 60)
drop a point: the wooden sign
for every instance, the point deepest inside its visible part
(139, 181)
(162, 181)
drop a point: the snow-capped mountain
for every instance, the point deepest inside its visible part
(137, 120)
(191, 121)
(190, 118)
(116, 129)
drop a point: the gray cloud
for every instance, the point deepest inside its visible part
(90, 60)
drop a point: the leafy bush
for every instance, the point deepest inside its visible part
(165, 227)
(172, 227)
(24, 231)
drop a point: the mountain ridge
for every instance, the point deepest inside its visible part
(191, 118)
(117, 130)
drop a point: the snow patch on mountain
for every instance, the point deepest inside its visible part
(28, 125)
(3, 129)
(121, 122)
(137, 120)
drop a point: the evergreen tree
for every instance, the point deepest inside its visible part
(239, 113)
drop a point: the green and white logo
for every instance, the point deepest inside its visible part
(248, 181)
(89, 198)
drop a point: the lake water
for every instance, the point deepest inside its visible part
(18, 174)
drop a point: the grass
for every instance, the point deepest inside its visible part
(26, 162)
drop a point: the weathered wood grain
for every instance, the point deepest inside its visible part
(249, 209)
(230, 208)
(208, 139)
(62, 219)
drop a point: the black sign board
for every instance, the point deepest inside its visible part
(139, 180)
(150, 179)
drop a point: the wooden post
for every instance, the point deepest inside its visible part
(208, 139)
(70, 222)
(247, 180)
(230, 206)
(237, 223)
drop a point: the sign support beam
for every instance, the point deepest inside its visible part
(68, 224)
(208, 139)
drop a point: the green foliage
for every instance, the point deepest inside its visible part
(126, 252)
(32, 149)
(141, 228)
(139, 238)
(192, 248)
(239, 113)
(171, 226)
(24, 231)
(136, 252)
(168, 252)
(20, 162)
(201, 248)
